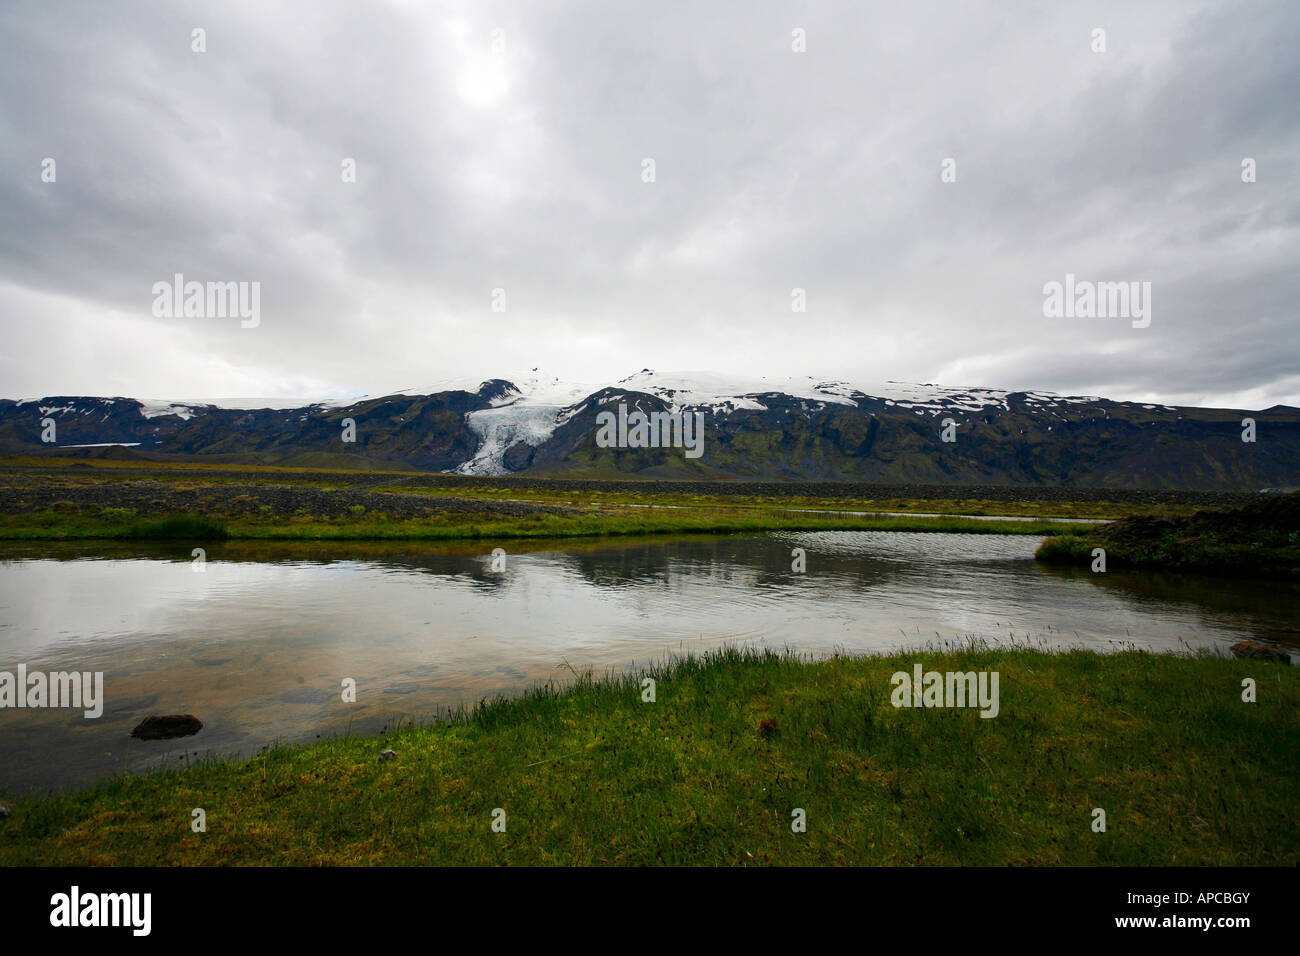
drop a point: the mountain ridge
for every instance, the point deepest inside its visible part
(796, 428)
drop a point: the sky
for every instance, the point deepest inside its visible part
(420, 191)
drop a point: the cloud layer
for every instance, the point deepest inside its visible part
(502, 146)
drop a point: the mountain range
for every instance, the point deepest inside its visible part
(788, 428)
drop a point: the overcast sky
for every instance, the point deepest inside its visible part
(501, 146)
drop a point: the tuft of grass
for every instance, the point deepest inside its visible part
(1073, 549)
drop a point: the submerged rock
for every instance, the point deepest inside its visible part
(1259, 651)
(166, 726)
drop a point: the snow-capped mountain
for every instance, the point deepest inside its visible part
(532, 405)
(792, 427)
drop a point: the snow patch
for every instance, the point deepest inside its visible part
(152, 408)
(682, 390)
(105, 444)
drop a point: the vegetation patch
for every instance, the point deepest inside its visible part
(712, 772)
(192, 527)
(1260, 538)
(433, 525)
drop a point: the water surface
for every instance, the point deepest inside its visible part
(258, 643)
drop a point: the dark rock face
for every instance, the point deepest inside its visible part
(572, 447)
(80, 420)
(497, 389)
(518, 456)
(167, 726)
(423, 431)
(1084, 443)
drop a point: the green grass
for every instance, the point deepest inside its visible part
(112, 523)
(560, 495)
(1272, 555)
(1187, 773)
(59, 524)
(187, 526)
(559, 490)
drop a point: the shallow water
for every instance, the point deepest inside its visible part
(258, 643)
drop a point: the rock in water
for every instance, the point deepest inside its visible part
(167, 726)
(1259, 651)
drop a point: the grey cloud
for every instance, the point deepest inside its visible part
(775, 170)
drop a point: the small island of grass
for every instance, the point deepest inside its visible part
(1262, 538)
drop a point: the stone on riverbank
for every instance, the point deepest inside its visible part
(165, 727)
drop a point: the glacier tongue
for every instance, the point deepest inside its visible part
(499, 428)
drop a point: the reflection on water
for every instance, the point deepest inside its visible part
(258, 643)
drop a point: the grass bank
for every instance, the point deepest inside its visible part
(1262, 538)
(1046, 510)
(110, 523)
(1187, 773)
(1174, 553)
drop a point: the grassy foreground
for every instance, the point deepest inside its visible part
(1187, 773)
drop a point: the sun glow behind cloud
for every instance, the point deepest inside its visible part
(483, 78)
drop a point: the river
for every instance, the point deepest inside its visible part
(258, 643)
